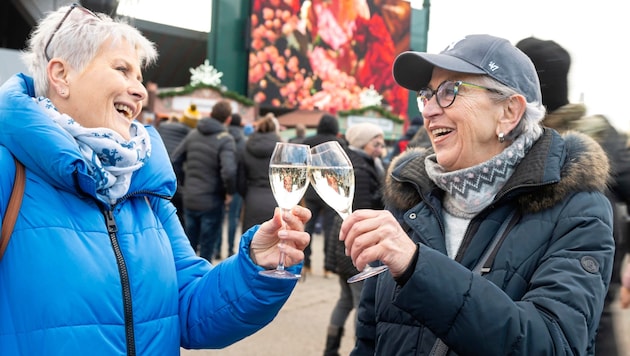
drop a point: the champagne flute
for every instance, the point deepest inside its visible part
(332, 175)
(288, 176)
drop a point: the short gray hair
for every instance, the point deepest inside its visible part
(532, 117)
(77, 41)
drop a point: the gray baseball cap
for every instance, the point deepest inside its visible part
(474, 54)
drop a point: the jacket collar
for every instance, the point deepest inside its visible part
(555, 167)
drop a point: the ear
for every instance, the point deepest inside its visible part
(58, 78)
(513, 110)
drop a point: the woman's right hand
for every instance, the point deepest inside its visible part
(371, 235)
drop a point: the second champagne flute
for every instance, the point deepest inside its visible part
(288, 169)
(332, 176)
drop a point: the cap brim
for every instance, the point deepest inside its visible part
(413, 70)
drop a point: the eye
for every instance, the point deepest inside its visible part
(122, 69)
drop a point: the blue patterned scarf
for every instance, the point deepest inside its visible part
(112, 159)
(470, 190)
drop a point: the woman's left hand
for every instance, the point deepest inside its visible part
(273, 236)
(371, 235)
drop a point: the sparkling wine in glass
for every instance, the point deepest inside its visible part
(288, 176)
(332, 175)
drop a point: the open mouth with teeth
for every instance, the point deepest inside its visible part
(125, 110)
(441, 132)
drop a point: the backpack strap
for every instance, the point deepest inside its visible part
(483, 266)
(13, 208)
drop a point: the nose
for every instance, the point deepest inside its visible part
(138, 90)
(431, 108)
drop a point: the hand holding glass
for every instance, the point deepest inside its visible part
(332, 175)
(288, 169)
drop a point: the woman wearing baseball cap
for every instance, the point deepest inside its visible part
(499, 237)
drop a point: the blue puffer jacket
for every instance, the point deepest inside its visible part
(545, 289)
(69, 285)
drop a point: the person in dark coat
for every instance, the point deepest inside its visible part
(553, 63)
(172, 133)
(253, 173)
(208, 153)
(235, 206)
(327, 130)
(365, 146)
(401, 144)
(499, 238)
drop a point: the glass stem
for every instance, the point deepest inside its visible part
(282, 256)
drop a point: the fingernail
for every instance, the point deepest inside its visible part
(283, 233)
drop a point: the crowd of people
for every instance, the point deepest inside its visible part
(502, 198)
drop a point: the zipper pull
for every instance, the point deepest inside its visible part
(109, 220)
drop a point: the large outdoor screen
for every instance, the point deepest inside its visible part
(322, 54)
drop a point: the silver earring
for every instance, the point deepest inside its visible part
(501, 137)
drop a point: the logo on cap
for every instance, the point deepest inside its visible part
(492, 66)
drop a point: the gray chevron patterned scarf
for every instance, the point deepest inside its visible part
(470, 190)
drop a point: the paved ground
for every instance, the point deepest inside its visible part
(300, 327)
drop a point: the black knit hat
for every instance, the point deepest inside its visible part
(552, 63)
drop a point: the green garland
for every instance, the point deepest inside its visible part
(378, 109)
(225, 93)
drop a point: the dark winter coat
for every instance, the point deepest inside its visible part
(253, 177)
(239, 138)
(210, 165)
(172, 134)
(545, 290)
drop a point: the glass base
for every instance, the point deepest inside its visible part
(367, 272)
(279, 274)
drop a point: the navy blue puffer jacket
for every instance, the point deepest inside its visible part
(545, 290)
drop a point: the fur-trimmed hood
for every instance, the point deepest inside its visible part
(555, 167)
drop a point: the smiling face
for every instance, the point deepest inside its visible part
(107, 93)
(464, 134)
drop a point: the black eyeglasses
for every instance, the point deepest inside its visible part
(446, 93)
(72, 7)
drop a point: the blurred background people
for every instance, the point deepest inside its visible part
(206, 159)
(253, 172)
(172, 133)
(365, 146)
(235, 207)
(401, 144)
(300, 134)
(553, 63)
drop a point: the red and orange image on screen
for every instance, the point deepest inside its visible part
(322, 54)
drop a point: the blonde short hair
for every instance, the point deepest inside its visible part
(77, 41)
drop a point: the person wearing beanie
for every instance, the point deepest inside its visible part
(359, 135)
(498, 238)
(552, 64)
(365, 147)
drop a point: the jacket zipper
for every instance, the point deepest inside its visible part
(112, 230)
